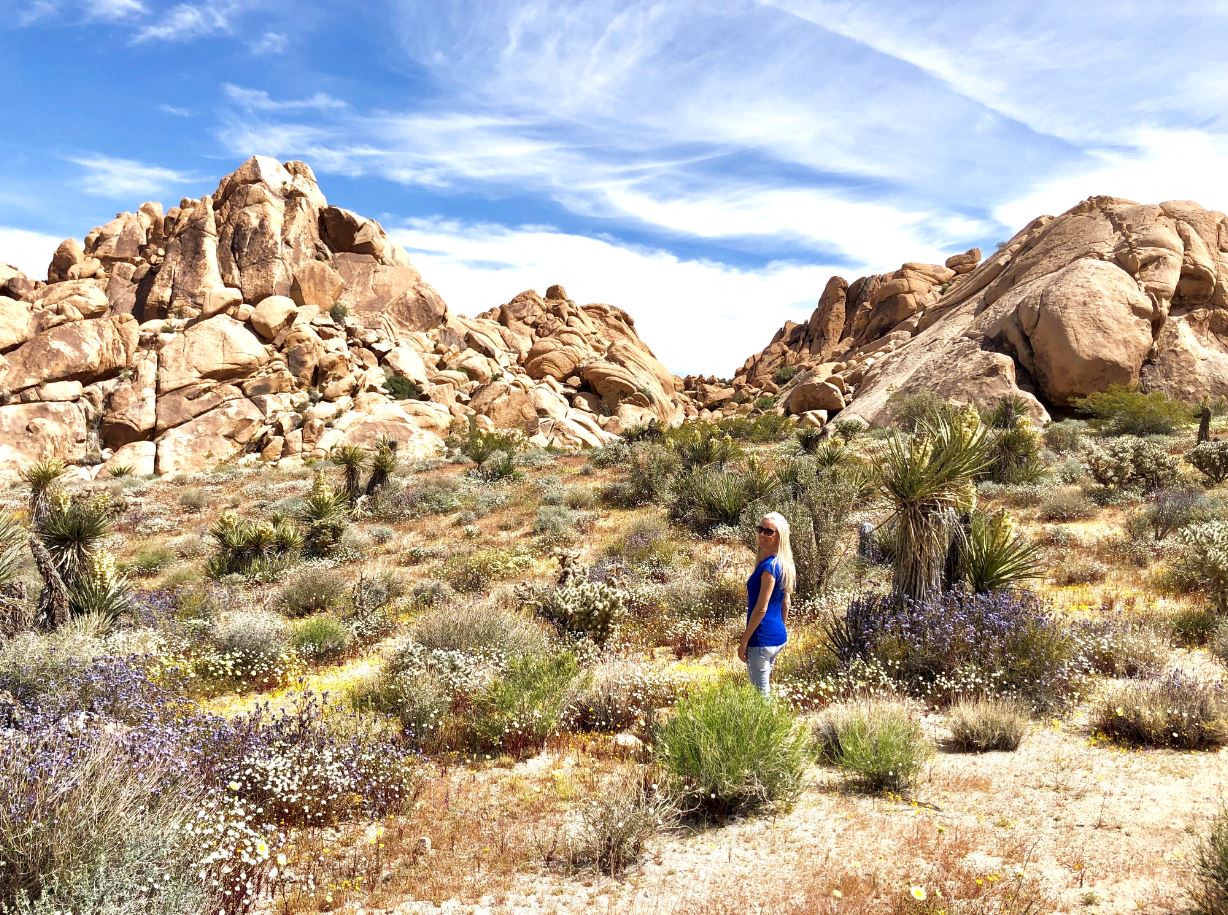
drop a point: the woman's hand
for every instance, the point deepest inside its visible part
(742, 651)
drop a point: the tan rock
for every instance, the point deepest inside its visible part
(141, 457)
(38, 431)
(966, 262)
(507, 406)
(81, 351)
(208, 439)
(220, 348)
(185, 404)
(16, 323)
(814, 395)
(316, 283)
(66, 256)
(273, 314)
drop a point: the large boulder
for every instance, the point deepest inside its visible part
(220, 348)
(210, 438)
(82, 351)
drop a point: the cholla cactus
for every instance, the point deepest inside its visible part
(1130, 462)
(1204, 561)
(1211, 460)
(591, 609)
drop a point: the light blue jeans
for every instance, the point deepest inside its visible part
(759, 661)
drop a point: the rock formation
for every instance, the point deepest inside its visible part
(261, 319)
(1110, 292)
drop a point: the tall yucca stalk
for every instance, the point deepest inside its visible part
(41, 477)
(927, 479)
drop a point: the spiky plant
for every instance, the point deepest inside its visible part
(383, 463)
(72, 532)
(324, 516)
(927, 480)
(41, 477)
(352, 459)
(12, 540)
(994, 557)
(100, 591)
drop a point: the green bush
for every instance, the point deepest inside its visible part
(982, 725)
(728, 750)
(520, 709)
(479, 444)
(1015, 445)
(700, 444)
(1131, 463)
(1202, 563)
(248, 647)
(1211, 460)
(398, 387)
(650, 470)
(1193, 626)
(847, 428)
(321, 639)
(879, 745)
(1170, 510)
(498, 466)
(150, 562)
(324, 517)
(416, 698)
(1066, 504)
(312, 590)
(911, 412)
(339, 313)
(1217, 640)
(1124, 411)
(649, 543)
(558, 523)
(477, 570)
(1065, 437)
(1209, 890)
(707, 497)
(784, 374)
(761, 427)
(1175, 710)
(193, 500)
(251, 547)
(994, 557)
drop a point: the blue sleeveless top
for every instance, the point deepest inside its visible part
(771, 629)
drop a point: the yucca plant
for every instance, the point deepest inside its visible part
(12, 539)
(994, 557)
(324, 515)
(383, 463)
(248, 546)
(809, 438)
(927, 480)
(352, 459)
(72, 530)
(41, 477)
(100, 591)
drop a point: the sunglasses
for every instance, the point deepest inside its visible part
(765, 531)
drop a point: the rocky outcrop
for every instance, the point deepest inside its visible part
(1110, 292)
(260, 319)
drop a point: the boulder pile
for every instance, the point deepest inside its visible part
(260, 319)
(1110, 292)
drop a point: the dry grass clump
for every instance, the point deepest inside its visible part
(480, 627)
(982, 725)
(879, 745)
(614, 827)
(1209, 886)
(1066, 504)
(1175, 710)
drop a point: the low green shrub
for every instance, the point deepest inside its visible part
(708, 497)
(784, 374)
(478, 570)
(193, 500)
(702, 444)
(417, 698)
(1193, 626)
(1175, 710)
(480, 628)
(324, 516)
(1065, 437)
(398, 387)
(1066, 504)
(649, 543)
(497, 467)
(914, 411)
(1079, 572)
(150, 562)
(320, 639)
(1124, 411)
(251, 547)
(479, 444)
(520, 709)
(1170, 510)
(1217, 641)
(728, 750)
(982, 725)
(1128, 462)
(650, 470)
(879, 745)
(1209, 888)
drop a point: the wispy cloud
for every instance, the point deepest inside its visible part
(695, 314)
(185, 22)
(260, 100)
(117, 9)
(29, 252)
(175, 111)
(128, 180)
(270, 43)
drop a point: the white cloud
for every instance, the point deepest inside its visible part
(270, 43)
(116, 9)
(260, 100)
(174, 111)
(184, 22)
(128, 180)
(30, 252)
(697, 316)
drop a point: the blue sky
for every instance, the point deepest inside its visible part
(705, 165)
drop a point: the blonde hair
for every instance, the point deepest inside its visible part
(784, 551)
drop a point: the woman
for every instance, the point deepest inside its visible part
(768, 592)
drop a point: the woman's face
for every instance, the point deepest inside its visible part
(768, 535)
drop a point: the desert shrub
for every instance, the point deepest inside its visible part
(590, 609)
(1079, 572)
(313, 589)
(956, 644)
(398, 387)
(247, 647)
(1175, 710)
(649, 543)
(614, 827)
(879, 745)
(517, 711)
(433, 496)
(915, 411)
(650, 470)
(320, 639)
(558, 523)
(580, 497)
(479, 444)
(1211, 460)
(150, 562)
(707, 497)
(1209, 887)
(1016, 495)
(480, 628)
(700, 444)
(417, 698)
(498, 466)
(251, 547)
(803, 671)
(1170, 510)
(810, 438)
(1066, 504)
(1217, 640)
(339, 313)
(1131, 463)
(784, 374)
(729, 750)
(847, 428)
(982, 725)
(1070, 472)
(619, 695)
(761, 427)
(1202, 563)
(305, 767)
(1120, 646)
(324, 517)
(193, 500)
(1065, 437)
(1015, 446)
(1124, 411)
(1193, 626)
(710, 597)
(477, 570)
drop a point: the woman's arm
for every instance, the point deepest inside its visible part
(785, 606)
(766, 583)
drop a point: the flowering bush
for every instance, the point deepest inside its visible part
(475, 571)
(954, 644)
(517, 711)
(248, 648)
(620, 695)
(1175, 710)
(1121, 646)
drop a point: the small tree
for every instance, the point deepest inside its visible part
(42, 477)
